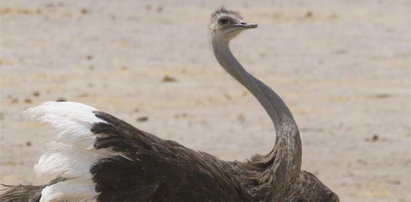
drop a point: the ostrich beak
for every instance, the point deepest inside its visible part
(246, 25)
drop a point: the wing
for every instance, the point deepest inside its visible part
(105, 158)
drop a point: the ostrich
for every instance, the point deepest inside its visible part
(97, 157)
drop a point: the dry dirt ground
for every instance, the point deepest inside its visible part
(343, 67)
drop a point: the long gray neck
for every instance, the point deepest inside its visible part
(287, 149)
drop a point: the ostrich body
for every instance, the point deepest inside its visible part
(97, 157)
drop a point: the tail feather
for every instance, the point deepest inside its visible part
(19, 193)
(30, 193)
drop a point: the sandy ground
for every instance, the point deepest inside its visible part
(343, 67)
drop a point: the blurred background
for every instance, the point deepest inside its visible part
(343, 68)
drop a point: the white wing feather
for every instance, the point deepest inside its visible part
(71, 154)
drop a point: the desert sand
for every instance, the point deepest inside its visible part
(343, 68)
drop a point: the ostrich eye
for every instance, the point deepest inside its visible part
(223, 21)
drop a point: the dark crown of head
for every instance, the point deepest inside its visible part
(222, 10)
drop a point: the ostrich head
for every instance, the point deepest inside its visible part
(228, 24)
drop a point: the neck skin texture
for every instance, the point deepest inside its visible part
(287, 150)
